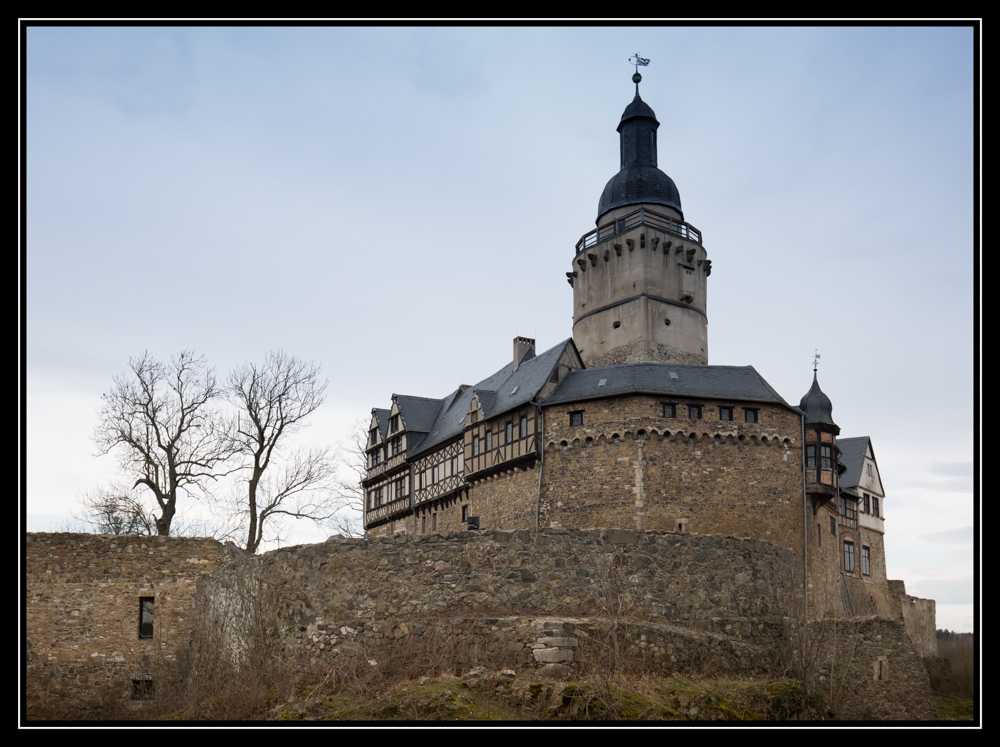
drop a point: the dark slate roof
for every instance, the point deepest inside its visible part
(638, 108)
(504, 390)
(418, 415)
(709, 382)
(382, 419)
(817, 406)
(852, 456)
(638, 183)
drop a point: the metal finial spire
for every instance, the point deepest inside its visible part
(815, 360)
(638, 61)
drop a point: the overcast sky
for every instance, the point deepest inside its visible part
(396, 204)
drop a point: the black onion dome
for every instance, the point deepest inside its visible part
(639, 180)
(817, 406)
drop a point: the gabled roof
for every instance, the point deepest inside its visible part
(666, 379)
(504, 390)
(852, 456)
(382, 419)
(418, 415)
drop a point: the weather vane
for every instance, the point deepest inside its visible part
(638, 62)
(815, 359)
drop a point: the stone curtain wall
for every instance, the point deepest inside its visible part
(82, 613)
(875, 672)
(343, 593)
(919, 615)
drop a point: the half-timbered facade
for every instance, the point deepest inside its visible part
(425, 456)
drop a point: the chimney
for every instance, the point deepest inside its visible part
(521, 347)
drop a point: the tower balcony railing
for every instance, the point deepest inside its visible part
(639, 217)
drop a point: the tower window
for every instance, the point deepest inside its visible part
(669, 410)
(866, 567)
(751, 415)
(811, 457)
(576, 418)
(694, 412)
(725, 413)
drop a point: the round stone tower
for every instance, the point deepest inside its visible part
(639, 279)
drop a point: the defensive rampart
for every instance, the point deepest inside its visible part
(546, 601)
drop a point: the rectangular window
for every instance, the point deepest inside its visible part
(394, 424)
(142, 687)
(454, 465)
(868, 503)
(434, 522)
(489, 440)
(509, 432)
(848, 556)
(475, 446)
(866, 561)
(826, 457)
(523, 430)
(725, 413)
(400, 487)
(423, 479)
(465, 512)
(810, 457)
(751, 415)
(875, 505)
(669, 410)
(145, 617)
(833, 526)
(576, 418)
(423, 524)
(694, 412)
(373, 437)
(819, 535)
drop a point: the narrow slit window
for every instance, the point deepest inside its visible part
(146, 617)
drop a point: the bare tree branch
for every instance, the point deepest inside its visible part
(116, 509)
(352, 468)
(161, 422)
(274, 399)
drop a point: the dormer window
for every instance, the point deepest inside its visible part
(394, 424)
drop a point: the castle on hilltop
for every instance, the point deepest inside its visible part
(625, 424)
(617, 470)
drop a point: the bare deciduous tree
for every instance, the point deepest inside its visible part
(161, 422)
(274, 400)
(116, 509)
